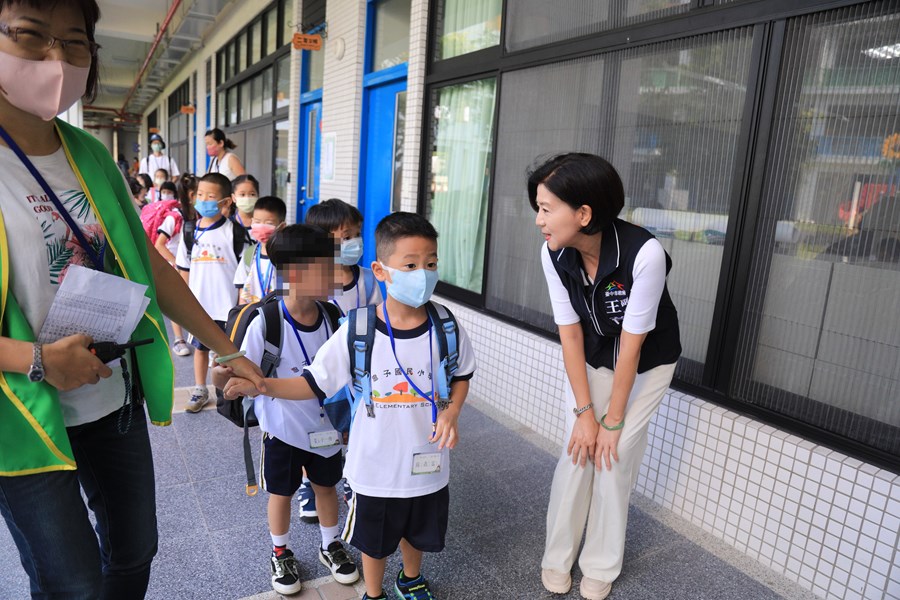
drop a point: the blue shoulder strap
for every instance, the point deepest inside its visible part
(360, 340)
(369, 282)
(448, 344)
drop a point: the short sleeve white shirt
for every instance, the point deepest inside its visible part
(172, 237)
(355, 294)
(255, 277)
(290, 421)
(380, 453)
(151, 164)
(212, 265)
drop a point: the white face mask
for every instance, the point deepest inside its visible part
(43, 88)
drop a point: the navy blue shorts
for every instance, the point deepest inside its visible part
(375, 525)
(282, 467)
(196, 343)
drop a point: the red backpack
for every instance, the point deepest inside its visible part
(153, 215)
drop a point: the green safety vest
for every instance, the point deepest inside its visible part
(33, 435)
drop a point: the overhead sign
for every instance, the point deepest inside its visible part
(187, 109)
(304, 41)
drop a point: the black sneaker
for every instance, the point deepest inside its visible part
(285, 573)
(417, 589)
(379, 597)
(342, 567)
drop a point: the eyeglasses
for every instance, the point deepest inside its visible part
(37, 43)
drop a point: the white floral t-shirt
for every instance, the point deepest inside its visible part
(41, 249)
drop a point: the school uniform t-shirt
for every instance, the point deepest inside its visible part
(168, 227)
(355, 294)
(290, 420)
(212, 264)
(254, 282)
(41, 249)
(380, 453)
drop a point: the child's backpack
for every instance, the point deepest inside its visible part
(240, 411)
(154, 214)
(237, 240)
(361, 340)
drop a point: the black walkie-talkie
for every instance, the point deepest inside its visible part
(107, 351)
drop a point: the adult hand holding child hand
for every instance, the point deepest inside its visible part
(238, 386)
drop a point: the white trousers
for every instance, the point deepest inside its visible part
(599, 499)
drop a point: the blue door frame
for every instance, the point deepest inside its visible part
(309, 147)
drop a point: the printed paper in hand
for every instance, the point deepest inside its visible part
(103, 306)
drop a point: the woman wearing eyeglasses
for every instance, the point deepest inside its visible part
(67, 421)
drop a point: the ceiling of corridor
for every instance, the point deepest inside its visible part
(126, 32)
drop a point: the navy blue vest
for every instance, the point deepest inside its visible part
(601, 306)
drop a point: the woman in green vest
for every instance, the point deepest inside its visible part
(69, 422)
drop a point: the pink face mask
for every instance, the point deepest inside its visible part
(212, 150)
(43, 88)
(261, 232)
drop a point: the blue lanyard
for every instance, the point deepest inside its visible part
(96, 258)
(387, 321)
(203, 230)
(294, 326)
(264, 287)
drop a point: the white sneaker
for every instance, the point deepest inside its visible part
(594, 589)
(339, 562)
(556, 582)
(199, 399)
(180, 348)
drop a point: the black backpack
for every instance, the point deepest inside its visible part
(240, 410)
(238, 239)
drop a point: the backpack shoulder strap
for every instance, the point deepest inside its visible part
(238, 238)
(187, 234)
(360, 340)
(332, 313)
(272, 331)
(447, 331)
(369, 283)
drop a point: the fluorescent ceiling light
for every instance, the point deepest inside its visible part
(884, 52)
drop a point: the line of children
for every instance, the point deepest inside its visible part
(400, 498)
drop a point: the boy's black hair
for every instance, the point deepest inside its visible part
(219, 180)
(333, 214)
(135, 186)
(580, 179)
(91, 12)
(243, 179)
(299, 244)
(164, 171)
(274, 205)
(400, 225)
(145, 180)
(169, 186)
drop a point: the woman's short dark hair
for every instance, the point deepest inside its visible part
(333, 214)
(91, 12)
(580, 179)
(219, 136)
(298, 244)
(244, 179)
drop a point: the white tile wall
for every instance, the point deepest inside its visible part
(823, 519)
(342, 94)
(415, 102)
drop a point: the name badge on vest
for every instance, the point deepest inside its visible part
(324, 439)
(426, 460)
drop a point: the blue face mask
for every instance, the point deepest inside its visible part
(351, 251)
(207, 208)
(413, 288)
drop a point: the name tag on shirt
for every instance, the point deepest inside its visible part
(324, 439)
(426, 460)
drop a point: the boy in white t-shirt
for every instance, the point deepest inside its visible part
(345, 222)
(209, 266)
(255, 275)
(400, 497)
(298, 435)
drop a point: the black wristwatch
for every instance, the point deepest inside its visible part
(36, 371)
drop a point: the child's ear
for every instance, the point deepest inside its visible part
(280, 226)
(379, 272)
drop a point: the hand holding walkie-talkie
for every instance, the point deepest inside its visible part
(107, 351)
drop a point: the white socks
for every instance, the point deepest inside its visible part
(329, 534)
(280, 540)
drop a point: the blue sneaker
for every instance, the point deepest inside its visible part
(416, 589)
(381, 597)
(307, 498)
